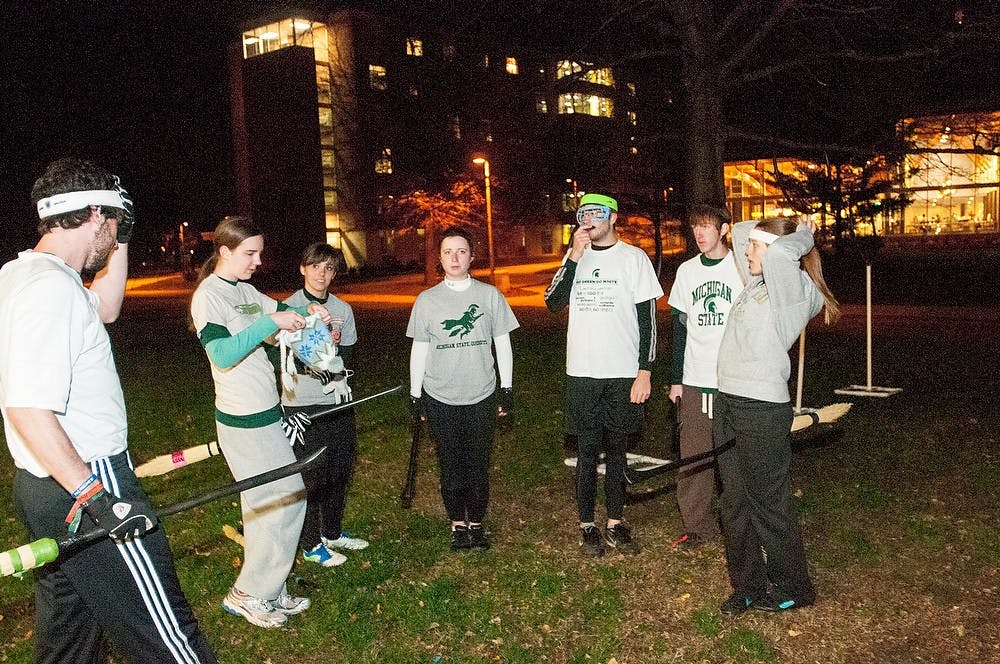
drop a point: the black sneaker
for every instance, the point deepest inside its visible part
(460, 539)
(619, 536)
(776, 601)
(688, 542)
(736, 604)
(478, 537)
(590, 541)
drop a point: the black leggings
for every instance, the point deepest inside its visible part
(463, 436)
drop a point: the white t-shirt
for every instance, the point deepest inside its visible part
(602, 340)
(705, 294)
(249, 386)
(55, 355)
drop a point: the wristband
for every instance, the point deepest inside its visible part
(80, 490)
(75, 512)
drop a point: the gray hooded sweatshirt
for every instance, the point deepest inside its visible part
(767, 317)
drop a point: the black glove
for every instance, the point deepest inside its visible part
(323, 377)
(122, 519)
(127, 222)
(506, 401)
(417, 408)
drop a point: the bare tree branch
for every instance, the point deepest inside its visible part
(751, 45)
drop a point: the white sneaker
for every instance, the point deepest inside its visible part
(323, 556)
(345, 541)
(257, 611)
(288, 605)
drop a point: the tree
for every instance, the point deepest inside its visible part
(801, 76)
(434, 211)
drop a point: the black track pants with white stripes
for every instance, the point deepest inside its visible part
(125, 593)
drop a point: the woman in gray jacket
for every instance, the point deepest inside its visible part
(784, 289)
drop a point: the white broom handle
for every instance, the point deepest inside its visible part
(868, 320)
(802, 365)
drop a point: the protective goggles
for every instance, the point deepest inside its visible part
(592, 213)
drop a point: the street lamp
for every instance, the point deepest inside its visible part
(481, 159)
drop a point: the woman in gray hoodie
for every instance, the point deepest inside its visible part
(784, 289)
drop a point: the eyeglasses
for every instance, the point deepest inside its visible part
(592, 213)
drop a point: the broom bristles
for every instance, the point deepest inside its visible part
(823, 415)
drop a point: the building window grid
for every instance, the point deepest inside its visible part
(282, 34)
(578, 102)
(377, 78)
(383, 165)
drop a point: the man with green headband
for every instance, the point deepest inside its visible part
(611, 289)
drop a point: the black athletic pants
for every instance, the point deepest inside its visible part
(127, 593)
(756, 499)
(326, 480)
(599, 412)
(463, 436)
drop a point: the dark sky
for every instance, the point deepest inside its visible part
(142, 88)
(139, 87)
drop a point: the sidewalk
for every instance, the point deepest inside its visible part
(527, 287)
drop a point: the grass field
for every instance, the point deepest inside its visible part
(898, 504)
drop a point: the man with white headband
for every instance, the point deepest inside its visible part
(65, 425)
(611, 289)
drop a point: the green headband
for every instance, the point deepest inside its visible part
(599, 199)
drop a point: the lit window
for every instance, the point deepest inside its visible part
(511, 65)
(576, 102)
(456, 127)
(377, 77)
(414, 90)
(631, 118)
(448, 51)
(414, 46)
(601, 76)
(541, 105)
(486, 62)
(282, 34)
(329, 169)
(567, 68)
(322, 83)
(383, 164)
(325, 125)
(634, 150)
(631, 88)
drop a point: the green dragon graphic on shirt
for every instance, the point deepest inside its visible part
(462, 326)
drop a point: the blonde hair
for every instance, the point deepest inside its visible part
(811, 263)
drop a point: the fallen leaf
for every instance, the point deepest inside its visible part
(960, 630)
(793, 632)
(682, 598)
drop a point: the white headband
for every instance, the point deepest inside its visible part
(762, 236)
(77, 200)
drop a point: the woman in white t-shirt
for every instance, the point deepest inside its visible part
(232, 320)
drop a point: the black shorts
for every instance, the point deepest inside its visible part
(601, 403)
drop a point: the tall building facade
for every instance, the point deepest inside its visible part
(334, 116)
